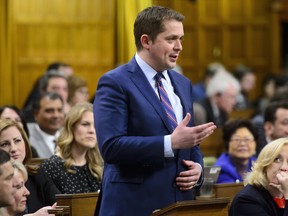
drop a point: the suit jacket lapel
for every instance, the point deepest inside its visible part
(178, 88)
(141, 82)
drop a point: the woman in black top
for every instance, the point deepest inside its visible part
(266, 190)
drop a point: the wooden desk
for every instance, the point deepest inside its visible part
(228, 190)
(211, 207)
(79, 204)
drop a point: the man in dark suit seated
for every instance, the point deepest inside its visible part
(221, 91)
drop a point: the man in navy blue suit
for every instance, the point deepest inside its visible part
(148, 163)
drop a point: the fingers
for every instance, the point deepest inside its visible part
(203, 127)
(186, 120)
(188, 163)
(185, 183)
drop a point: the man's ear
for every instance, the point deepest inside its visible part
(268, 128)
(145, 41)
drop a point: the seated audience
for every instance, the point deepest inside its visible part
(247, 79)
(77, 90)
(267, 93)
(53, 81)
(13, 140)
(21, 194)
(240, 140)
(266, 186)
(77, 165)
(7, 188)
(49, 116)
(221, 98)
(12, 112)
(275, 123)
(199, 89)
(66, 69)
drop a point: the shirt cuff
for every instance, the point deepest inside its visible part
(168, 151)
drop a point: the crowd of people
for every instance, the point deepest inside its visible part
(150, 121)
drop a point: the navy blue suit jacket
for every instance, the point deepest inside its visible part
(130, 125)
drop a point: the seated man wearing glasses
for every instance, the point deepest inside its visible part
(240, 139)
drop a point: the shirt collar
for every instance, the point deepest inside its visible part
(148, 70)
(46, 136)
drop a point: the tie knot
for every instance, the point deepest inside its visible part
(158, 77)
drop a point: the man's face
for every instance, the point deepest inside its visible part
(58, 85)
(7, 189)
(226, 101)
(50, 116)
(164, 50)
(279, 128)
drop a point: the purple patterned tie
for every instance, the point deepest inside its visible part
(165, 100)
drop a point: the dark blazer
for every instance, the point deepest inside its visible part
(131, 123)
(210, 117)
(42, 191)
(255, 201)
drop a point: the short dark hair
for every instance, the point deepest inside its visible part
(56, 65)
(4, 158)
(232, 125)
(150, 21)
(271, 109)
(50, 95)
(241, 71)
(43, 82)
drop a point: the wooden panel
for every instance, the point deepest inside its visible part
(236, 44)
(235, 10)
(213, 42)
(70, 31)
(210, 10)
(259, 9)
(260, 38)
(193, 16)
(190, 45)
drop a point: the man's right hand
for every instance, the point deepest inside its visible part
(184, 137)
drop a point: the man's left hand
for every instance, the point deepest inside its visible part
(188, 179)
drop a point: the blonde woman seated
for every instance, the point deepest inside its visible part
(21, 194)
(77, 165)
(266, 190)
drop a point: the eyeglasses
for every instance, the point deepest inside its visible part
(245, 140)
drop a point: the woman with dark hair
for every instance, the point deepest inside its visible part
(240, 139)
(12, 112)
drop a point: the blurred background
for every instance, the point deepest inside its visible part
(94, 36)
